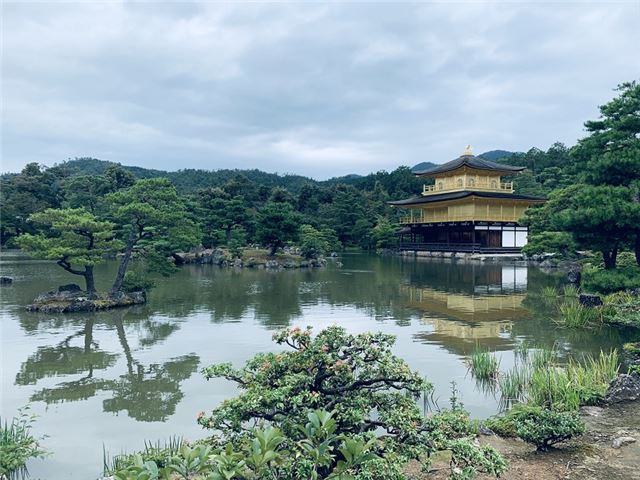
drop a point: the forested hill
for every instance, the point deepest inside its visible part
(495, 155)
(187, 180)
(191, 180)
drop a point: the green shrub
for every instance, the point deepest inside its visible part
(623, 260)
(622, 309)
(17, 445)
(467, 460)
(312, 242)
(160, 454)
(319, 452)
(502, 425)
(609, 281)
(135, 281)
(543, 427)
(550, 242)
(367, 389)
(384, 233)
(237, 242)
(537, 425)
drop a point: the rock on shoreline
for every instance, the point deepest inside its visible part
(624, 388)
(254, 259)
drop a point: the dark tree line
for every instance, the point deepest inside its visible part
(229, 212)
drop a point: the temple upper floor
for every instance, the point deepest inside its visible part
(467, 181)
(469, 172)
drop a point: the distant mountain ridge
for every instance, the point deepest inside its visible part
(190, 179)
(422, 166)
(495, 155)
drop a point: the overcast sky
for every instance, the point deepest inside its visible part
(315, 89)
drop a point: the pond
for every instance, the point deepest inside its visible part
(115, 379)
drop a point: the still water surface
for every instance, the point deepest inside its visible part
(115, 379)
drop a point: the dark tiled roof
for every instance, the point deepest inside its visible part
(471, 162)
(457, 195)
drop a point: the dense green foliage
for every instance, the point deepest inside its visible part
(147, 218)
(219, 214)
(621, 308)
(335, 406)
(154, 222)
(367, 390)
(277, 224)
(608, 281)
(314, 242)
(575, 384)
(232, 209)
(540, 426)
(17, 445)
(599, 205)
(71, 237)
(550, 242)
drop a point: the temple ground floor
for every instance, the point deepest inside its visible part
(468, 237)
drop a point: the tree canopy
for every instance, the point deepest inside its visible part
(73, 238)
(601, 210)
(154, 220)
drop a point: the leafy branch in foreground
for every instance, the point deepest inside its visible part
(371, 396)
(17, 445)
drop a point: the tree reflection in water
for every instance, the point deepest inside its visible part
(496, 307)
(147, 393)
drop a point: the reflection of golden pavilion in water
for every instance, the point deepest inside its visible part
(460, 320)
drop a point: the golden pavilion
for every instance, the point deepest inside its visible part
(469, 208)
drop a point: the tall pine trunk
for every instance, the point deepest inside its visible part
(610, 258)
(124, 263)
(87, 274)
(89, 281)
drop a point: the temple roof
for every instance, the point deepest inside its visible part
(457, 195)
(471, 161)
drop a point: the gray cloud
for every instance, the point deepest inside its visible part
(319, 90)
